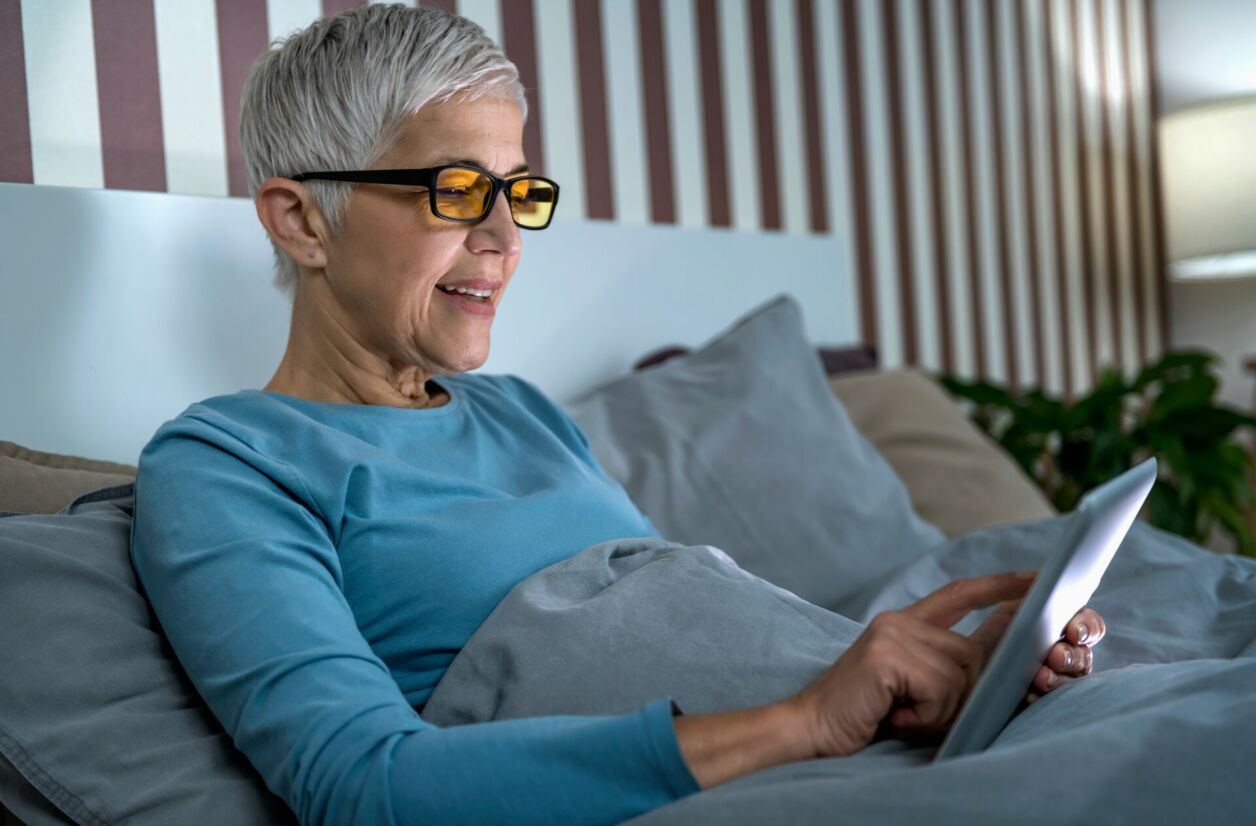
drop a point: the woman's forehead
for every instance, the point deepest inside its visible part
(486, 131)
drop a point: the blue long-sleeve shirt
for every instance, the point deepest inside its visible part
(316, 567)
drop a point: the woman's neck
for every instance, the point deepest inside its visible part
(325, 362)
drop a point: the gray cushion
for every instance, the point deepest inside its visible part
(741, 444)
(95, 712)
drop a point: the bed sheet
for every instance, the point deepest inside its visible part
(1163, 731)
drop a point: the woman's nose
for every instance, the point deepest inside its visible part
(497, 232)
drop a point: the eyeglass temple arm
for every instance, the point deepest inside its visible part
(416, 177)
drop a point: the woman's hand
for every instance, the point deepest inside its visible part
(907, 669)
(907, 672)
(1072, 656)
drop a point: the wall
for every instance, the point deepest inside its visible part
(156, 303)
(1204, 51)
(985, 164)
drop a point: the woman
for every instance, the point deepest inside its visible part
(318, 551)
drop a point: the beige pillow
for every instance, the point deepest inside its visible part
(32, 481)
(958, 478)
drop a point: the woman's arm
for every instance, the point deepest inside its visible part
(907, 670)
(723, 747)
(246, 582)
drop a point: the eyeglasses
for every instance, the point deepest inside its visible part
(463, 193)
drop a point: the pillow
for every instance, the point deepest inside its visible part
(835, 359)
(741, 444)
(32, 481)
(95, 712)
(958, 478)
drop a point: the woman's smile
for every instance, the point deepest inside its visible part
(473, 305)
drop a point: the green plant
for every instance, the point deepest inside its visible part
(1168, 411)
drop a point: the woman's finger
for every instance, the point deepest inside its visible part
(956, 648)
(1046, 680)
(955, 600)
(987, 636)
(1066, 659)
(1085, 628)
(940, 701)
(935, 667)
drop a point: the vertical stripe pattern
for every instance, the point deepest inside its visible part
(625, 112)
(737, 72)
(242, 36)
(519, 42)
(62, 95)
(937, 207)
(1146, 8)
(971, 241)
(1063, 333)
(988, 166)
(1024, 105)
(125, 36)
(599, 186)
(15, 126)
(901, 257)
(816, 178)
(860, 213)
(684, 95)
(191, 97)
(764, 120)
(560, 112)
(331, 7)
(1133, 172)
(714, 144)
(658, 133)
(997, 76)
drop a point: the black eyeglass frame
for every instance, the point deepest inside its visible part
(426, 177)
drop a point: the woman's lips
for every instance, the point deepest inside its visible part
(471, 306)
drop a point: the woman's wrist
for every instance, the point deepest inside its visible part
(721, 747)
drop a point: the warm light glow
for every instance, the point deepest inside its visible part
(1208, 172)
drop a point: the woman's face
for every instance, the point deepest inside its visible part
(391, 252)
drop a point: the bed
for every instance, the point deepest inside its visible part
(807, 487)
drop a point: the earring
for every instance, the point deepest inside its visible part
(310, 254)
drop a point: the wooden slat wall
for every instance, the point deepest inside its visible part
(988, 164)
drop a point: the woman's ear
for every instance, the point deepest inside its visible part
(293, 220)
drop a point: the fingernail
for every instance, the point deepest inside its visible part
(1052, 679)
(1068, 658)
(1082, 632)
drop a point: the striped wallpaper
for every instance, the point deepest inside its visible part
(988, 164)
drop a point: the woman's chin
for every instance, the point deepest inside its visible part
(471, 358)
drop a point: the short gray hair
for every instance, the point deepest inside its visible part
(335, 95)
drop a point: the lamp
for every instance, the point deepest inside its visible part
(1208, 175)
(1208, 182)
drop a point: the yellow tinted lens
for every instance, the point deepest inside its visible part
(532, 201)
(461, 193)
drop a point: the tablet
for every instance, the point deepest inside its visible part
(1063, 586)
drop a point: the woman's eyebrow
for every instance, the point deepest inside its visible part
(521, 168)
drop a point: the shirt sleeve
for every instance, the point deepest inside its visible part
(244, 577)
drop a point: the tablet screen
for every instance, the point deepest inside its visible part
(1063, 586)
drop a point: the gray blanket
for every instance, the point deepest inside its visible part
(1164, 731)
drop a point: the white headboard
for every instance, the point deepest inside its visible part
(119, 309)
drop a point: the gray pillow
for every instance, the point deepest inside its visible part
(95, 713)
(742, 445)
